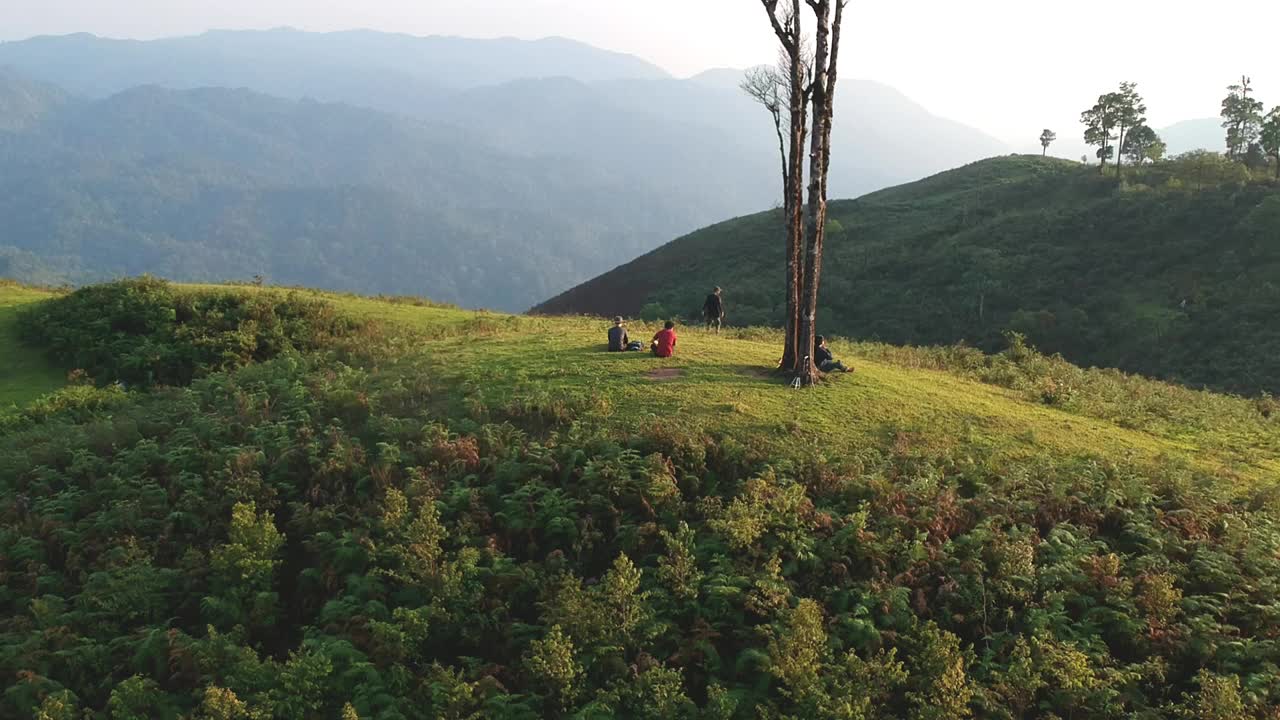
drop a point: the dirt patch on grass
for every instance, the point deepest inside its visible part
(664, 374)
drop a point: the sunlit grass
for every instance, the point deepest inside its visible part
(24, 373)
(723, 386)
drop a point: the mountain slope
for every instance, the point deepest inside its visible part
(25, 103)
(1188, 135)
(1173, 283)
(413, 511)
(214, 184)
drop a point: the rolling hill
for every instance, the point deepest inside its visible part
(306, 504)
(1162, 279)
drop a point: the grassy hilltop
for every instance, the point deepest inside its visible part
(1172, 276)
(310, 505)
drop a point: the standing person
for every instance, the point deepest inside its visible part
(713, 310)
(664, 343)
(823, 359)
(618, 339)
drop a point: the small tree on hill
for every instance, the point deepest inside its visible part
(1143, 144)
(1270, 137)
(1242, 118)
(1131, 113)
(813, 81)
(1046, 139)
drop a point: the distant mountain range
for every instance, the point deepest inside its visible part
(504, 170)
(1188, 135)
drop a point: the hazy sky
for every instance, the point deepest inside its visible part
(1009, 67)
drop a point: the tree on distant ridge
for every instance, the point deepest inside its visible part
(1099, 122)
(1242, 118)
(1143, 144)
(1270, 137)
(1131, 113)
(1046, 139)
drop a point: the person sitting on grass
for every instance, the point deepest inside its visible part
(822, 357)
(618, 340)
(664, 343)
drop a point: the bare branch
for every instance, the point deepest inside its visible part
(784, 33)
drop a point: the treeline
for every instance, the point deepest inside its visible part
(1117, 125)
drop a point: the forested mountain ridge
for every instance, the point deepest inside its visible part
(1166, 278)
(328, 66)
(591, 158)
(431, 78)
(215, 184)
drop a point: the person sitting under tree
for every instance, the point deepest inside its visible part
(713, 310)
(823, 359)
(664, 343)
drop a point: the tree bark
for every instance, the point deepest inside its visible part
(812, 107)
(816, 211)
(1120, 155)
(790, 37)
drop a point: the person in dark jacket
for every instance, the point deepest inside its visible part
(713, 310)
(618, 340)
(823, 359)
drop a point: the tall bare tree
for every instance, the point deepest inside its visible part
(769, 87)
(785, 19)
(812, 85)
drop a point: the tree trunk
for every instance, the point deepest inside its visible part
(790, 37)
(1044, 150)
(1120, 155)
(815, 217)
(806, 225)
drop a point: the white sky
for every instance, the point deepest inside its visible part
(1009, 67)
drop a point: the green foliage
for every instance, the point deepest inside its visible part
(1217, 699)
(1242, 118)
(307, 538)
(941, 688)
(146, 331)
(1269, 137)
(653, 312)
(552, 662)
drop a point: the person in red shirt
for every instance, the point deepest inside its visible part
(664, 343)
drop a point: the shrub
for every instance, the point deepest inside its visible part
(146, 332)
